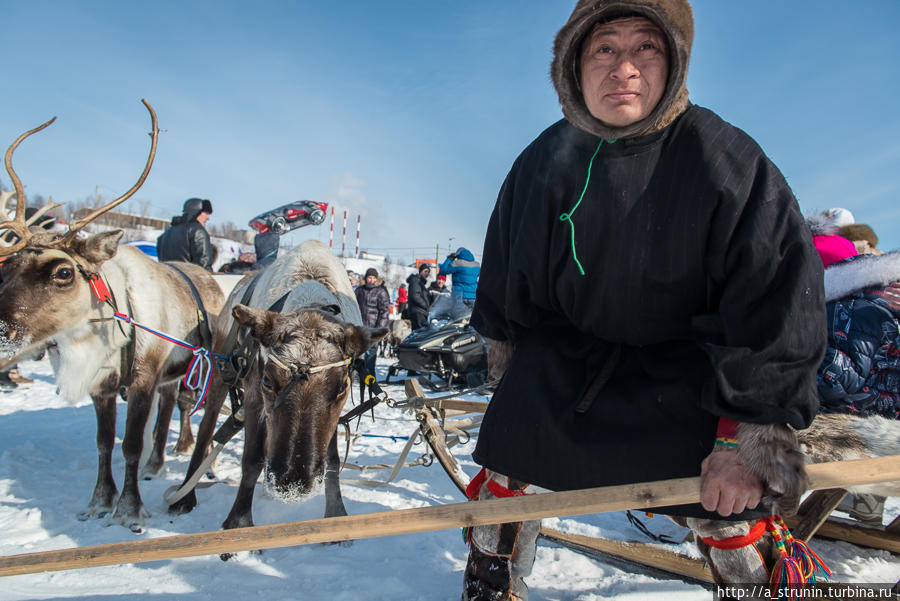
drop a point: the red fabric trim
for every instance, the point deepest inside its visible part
(501, 492)
(727, 428)
(497, 489)
(736, 542)
(474, 486)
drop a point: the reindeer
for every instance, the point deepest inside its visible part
(398, 330)
(54, 294)
(297, 382)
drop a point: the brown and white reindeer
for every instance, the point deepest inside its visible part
(297, 382)
(52, 294)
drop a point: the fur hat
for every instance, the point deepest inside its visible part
(194, 206)
(840, 217)
(859, 231)
(371, 271)
(676, 20)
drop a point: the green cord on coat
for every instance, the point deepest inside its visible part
(568, 216)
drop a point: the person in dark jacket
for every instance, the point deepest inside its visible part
(464, 269)
(860, 373)
(861, 370)
(375, 307)
(187, 239)
(417, 297)
(652, 324)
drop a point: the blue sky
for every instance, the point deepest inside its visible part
(410, 113)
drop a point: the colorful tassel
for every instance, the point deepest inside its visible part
(798, 565)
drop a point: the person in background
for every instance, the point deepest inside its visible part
(265, 248)
(438, 288)
(187, 239)
(649, 325)
(418, 301)
(860, 373)
(245, 262)
(375, 306)
(402, 300)
(863, 238)
(464, 269)
(354, 278)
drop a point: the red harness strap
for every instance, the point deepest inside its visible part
(736, 542)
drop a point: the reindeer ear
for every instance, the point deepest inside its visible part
(260, 322)
(99, 247)
(358, 339)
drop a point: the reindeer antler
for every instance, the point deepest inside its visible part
(19, 226)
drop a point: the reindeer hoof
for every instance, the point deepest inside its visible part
(131, 517)
(149, 472)
(94, 510)
(87, 514)
(184, 449)
(184, 505)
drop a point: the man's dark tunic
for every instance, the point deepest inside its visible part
(702, 293)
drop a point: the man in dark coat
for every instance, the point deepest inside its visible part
(187, 239)
(418, 301)
(375, 307)
(649, 278)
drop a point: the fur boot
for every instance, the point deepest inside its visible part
(500, 556)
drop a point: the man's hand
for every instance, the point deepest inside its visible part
(892, 294)
(726, 485)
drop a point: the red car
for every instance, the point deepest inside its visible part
(290, 217)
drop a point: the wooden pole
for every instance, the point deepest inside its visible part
(422, 519)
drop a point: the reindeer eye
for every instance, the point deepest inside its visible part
(267, 383)
(64, 274)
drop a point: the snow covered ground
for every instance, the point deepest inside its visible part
(47, 473)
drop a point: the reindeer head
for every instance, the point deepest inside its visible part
(300, 385)
(45, 276)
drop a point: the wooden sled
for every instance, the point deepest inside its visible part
(812, 518)
(442, 517)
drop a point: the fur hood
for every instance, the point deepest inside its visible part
(676, 20)
(861, 272)
(822, 225)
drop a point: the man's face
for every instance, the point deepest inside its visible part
(440, 283)
(203, 217)
(425, 273)
(371, 279)
(624, 68)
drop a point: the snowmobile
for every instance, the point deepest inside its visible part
(289, 217)
(448, 347)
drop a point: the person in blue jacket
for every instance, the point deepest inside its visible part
(464, 270)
